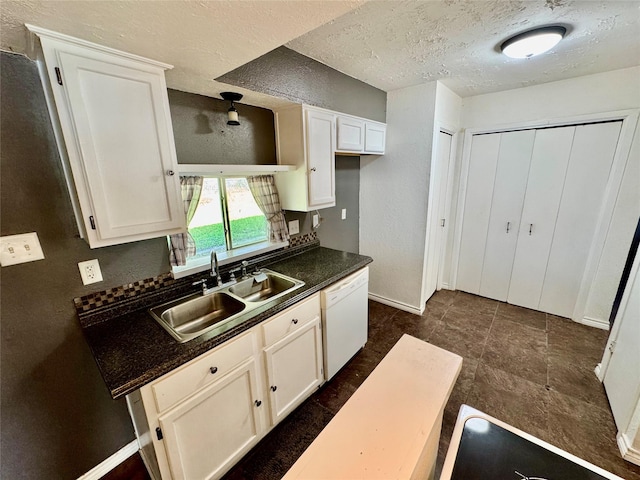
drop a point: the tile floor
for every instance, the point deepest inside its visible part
(527, 368)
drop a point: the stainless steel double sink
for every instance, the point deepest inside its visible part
(191, 316)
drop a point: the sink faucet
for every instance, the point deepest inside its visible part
(215, 272)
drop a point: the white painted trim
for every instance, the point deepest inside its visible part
(626, 449)
(232, 170)
(112, 462)
(595, 322)
(43, 32)
(393, 303)
(598, 372)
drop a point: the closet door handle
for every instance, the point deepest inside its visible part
(530, 228)
(508, 226)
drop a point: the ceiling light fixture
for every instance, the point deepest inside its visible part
(232, 113)
(533, 42)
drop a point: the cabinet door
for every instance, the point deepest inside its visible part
(506, 207)
(549, 162)
(477, 208)
(294, 369)
(207, 433)
(374, 137)
(594, 147)
(350, 134)
(320, 143)
(122, 131)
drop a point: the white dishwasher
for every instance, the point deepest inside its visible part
(345, 320)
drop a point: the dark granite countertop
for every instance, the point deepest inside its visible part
(133, 349)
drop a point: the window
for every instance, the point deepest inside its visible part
(226, 218)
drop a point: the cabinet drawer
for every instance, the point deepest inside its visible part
(291, 319)
(202, 371)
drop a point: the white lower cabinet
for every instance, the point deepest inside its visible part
(197, 421)
(215, 427)
(294, 369)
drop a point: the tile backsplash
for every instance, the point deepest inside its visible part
(93, 303)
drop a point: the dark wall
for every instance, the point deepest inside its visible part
(203, 136)
(58, 419)
(287, 74)
(335, 232)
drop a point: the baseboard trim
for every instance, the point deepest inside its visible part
(595, 322)
(112, 462)
(393, 303)
(627, 451)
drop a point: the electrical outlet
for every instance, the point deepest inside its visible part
(90, 271)
(21, 248)
(294, 227)
(316, 220)
(344, 214)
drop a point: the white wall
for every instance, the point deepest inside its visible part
(394, 190)
(604, 92)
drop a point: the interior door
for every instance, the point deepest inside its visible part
(592, 154)
(506, 208)
(549, 162)
(622, 377)
(483, 161)
(437, 209)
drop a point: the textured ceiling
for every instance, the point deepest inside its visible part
(202, 39)
(389, 44)
(395, 44)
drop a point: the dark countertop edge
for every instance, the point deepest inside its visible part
(158, 370)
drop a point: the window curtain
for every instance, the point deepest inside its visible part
(182, 245)
(265, 193)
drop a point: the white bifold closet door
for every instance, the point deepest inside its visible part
(506, 207)
(533, 200)
(549, 162)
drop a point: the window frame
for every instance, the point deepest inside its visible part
(200, 264)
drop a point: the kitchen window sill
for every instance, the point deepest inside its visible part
(201, 264)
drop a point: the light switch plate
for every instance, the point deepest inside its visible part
(344, 214)
(294, 227)
(21, 248)
(90, 271)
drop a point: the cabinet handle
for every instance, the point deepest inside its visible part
(508, 226)
(213, 370)
(313, 169)
(274, 388)
(258, 403)
(530, 228)
(171, 173)
(295, 321)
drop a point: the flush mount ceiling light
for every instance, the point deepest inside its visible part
(533, 42)
(232, 113)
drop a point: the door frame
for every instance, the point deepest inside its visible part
(449, 129)
(629, 120)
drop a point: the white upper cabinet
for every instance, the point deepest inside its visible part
(374, 137)
(306, 139)
(358, 135)
(113, 112)
(350, 134)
